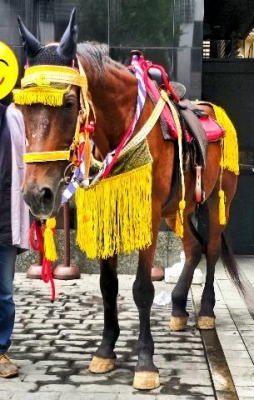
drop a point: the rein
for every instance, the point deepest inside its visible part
(37, 232)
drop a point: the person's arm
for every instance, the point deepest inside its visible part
(20, 211)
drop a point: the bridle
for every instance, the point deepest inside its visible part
(41, 85)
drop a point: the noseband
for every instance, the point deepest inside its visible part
(41, 85)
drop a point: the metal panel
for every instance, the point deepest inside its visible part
(230, 84)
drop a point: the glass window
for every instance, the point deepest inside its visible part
(168, 32)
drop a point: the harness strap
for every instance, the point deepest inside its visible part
(141, 135)
(180, 147)
(198, 187)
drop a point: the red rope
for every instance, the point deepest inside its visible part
(166, 81)
(119, 148)
(36, 231)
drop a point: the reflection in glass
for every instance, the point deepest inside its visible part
(168, 32)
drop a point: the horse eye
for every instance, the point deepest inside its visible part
(69, 104)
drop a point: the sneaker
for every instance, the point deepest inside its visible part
(7, 368)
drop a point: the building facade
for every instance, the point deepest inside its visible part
(168, 32)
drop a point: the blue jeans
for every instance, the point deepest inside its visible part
(8, 256)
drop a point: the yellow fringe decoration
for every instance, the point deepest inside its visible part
(179, 219)
(230, 157)
(222, 213)
(49, 243)
(115, 215)
(44, 95)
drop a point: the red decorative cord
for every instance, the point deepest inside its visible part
(36, 231)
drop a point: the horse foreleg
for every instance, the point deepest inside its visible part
(146, 374)
(104, 358)
(193, 252)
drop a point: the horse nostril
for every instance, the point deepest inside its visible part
(46, 195)
(41, 201)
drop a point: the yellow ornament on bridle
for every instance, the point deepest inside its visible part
(48, 84)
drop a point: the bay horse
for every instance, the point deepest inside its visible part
(109, 104)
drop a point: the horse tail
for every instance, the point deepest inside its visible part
(230, 263)
(239, 278)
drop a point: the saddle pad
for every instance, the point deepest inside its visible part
(211, 127)
(213, 130)
(195, 117)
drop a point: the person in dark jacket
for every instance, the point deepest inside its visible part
(14, 213)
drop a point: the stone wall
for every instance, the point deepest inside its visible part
(167, 253)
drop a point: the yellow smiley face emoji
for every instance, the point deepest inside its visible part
(9, 70)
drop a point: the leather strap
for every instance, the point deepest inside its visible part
(198, 188)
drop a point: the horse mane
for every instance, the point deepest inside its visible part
(97, 55)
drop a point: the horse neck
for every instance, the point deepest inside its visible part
(114, 98)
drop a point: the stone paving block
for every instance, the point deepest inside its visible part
(239, 361)
(33, 369)
(188, 397)
(137, 396)
(88, 396)
(23, 336)
(15, 385)
(49, 363)
(106, 388)
(36, 396)
(68, 356)
(235, 345)
(88, 378)
(40, 327)
(5, 395)
(245, 392)
(188, 378)
(242, 371)
(244, 381)
(57, 388)
(42, 378)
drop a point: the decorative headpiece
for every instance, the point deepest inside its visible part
(51, 69)
(50, 72)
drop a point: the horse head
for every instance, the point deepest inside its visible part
(49, 129)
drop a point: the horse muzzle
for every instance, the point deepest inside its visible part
(43, 201)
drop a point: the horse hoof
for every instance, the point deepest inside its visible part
(178, 323)
(206, 323)
(145, 380)
(157, 273)
(100, 365)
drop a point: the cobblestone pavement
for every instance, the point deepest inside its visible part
(53, 344)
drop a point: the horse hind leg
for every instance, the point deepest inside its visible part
(192, 246)
(214, 248)
(104, 358)
(206, 316)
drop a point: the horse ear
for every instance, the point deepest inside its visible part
(68, 45)
(30, 43)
